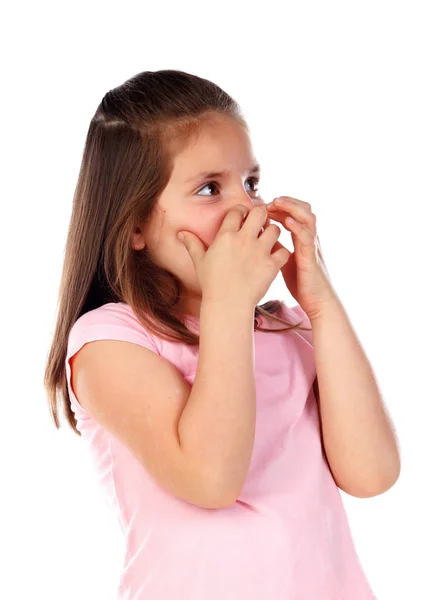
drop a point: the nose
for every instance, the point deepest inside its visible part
(249, 205)
(248, 202)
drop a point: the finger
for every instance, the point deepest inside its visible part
(302, 236)
(294, 200)
(269, 237)
(233, 219)
(277, 246)
(298, 212)
(256, 220)
(288, 204)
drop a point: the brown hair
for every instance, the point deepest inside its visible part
(126, 164)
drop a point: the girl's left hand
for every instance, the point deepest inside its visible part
(305, 273)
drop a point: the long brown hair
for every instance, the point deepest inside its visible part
(126, 164)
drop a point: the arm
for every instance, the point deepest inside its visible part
(218, 422)
(360, 443)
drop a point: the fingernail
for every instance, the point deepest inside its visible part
(279, 201)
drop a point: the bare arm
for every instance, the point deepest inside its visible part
(218, 422)
(359, 437)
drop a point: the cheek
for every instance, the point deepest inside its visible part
(209, 229)
(205, 225)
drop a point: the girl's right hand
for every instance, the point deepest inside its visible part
(238, 264)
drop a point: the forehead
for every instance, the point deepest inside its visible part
(254, 169)
(216, 149)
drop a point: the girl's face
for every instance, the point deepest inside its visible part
(196, 202)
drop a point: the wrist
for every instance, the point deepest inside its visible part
(234, 306)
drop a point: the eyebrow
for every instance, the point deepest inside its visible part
(256, 169)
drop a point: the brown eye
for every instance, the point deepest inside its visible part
(256, 181)
(211, 183)
(214, 183)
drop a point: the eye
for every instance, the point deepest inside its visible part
(214, 183)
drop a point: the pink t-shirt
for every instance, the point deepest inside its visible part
(286, 537)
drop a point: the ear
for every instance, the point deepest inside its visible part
(137, 239)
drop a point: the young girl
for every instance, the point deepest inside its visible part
(203, 420)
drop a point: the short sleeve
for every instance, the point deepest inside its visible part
(113, 321)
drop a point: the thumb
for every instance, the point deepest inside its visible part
(195, 247)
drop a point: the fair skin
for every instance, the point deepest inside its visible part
(358, 437)
(200, 204)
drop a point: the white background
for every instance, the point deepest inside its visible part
(339, 99)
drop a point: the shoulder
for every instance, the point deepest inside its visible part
(112, 321)
(295, 314)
